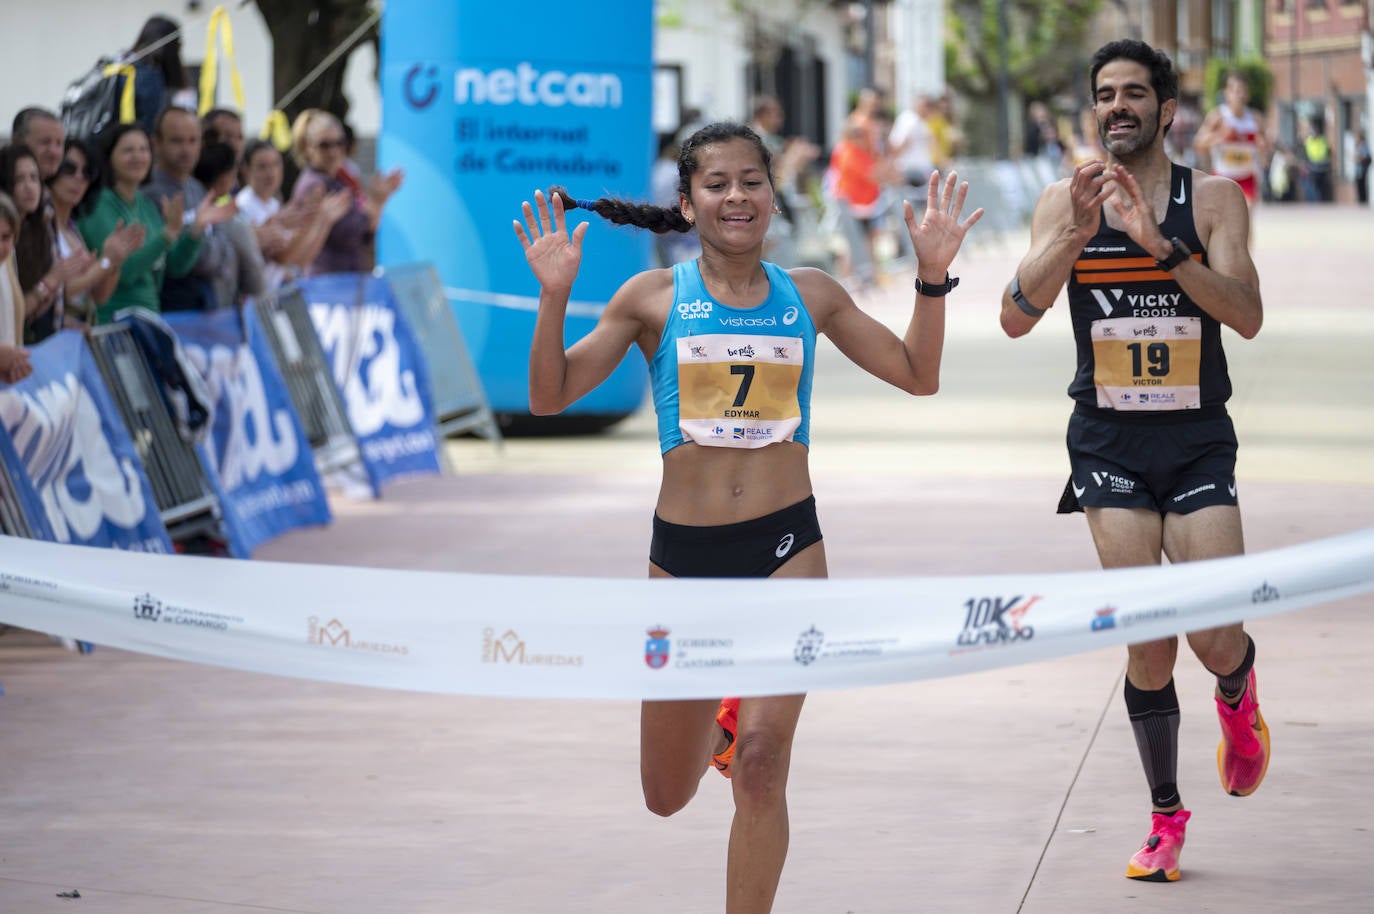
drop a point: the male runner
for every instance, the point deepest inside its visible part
(1151, 447)
(1233, 133)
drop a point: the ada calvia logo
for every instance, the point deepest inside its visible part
(657, 648)
(809, 644)
(996, 621)
(147, 607)
(1264, 593)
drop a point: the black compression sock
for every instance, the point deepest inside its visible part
(1232, 685)
(1154, 721)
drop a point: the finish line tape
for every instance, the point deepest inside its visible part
(563, 637)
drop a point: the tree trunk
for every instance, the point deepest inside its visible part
(304, 32)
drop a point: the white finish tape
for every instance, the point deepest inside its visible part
(602, 638)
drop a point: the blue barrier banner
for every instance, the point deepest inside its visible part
(478, 115)
(257, 455)
(380, 372)
(77, 454)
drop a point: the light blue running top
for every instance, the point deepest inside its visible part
(747, 371)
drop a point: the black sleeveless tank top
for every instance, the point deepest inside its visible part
(1145, 350)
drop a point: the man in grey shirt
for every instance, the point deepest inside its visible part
(223, 270)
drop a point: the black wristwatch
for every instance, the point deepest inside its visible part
(931, 290)
(1179, 254)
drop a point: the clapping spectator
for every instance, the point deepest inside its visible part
(14, 359)
(289, 238)
(176, 151)
(242, 272)
(42, 274)
(169, 246)
(72, 194)
(223, 125)
(319, 144)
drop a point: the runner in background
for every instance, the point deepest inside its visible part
(1233, 134)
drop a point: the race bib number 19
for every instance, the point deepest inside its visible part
(1147, 363)
(739, 390)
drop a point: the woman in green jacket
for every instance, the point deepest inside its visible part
(172, 244)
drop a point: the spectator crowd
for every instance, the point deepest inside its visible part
(172, 211)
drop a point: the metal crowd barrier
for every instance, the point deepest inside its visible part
(185, 499)
(12, 520)
(460, 401)
(285, 320)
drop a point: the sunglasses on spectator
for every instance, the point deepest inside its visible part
(330, 144)
(69, 168)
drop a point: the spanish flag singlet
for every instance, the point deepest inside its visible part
(1144, 347)
(733, 377)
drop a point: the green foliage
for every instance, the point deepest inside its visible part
(1045, 47)
(1254, 69)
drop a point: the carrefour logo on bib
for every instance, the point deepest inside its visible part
(526, 85)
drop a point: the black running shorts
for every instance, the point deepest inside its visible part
(1171, 466)
(749, 549)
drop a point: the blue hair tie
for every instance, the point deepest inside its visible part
(585, 204)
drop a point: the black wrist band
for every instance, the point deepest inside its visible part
(1176, 256)
(931, 290)
(1022, 302)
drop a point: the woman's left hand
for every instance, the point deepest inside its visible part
(940, 233)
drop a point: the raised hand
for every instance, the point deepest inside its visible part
(1089, 188)
(381, 187)
(123, 241)
(173, 211)
(335, 206)
(1136, 212)
(940, 233)
(553, 255)
(210, 212)
(69, 268)
(14, 364)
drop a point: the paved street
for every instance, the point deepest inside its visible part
(154, 786)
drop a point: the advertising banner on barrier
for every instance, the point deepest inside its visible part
(77, 454)
(380, 371)
(563, 637)
(478, 115)
(257, 454)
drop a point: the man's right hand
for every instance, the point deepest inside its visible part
(1089, 188)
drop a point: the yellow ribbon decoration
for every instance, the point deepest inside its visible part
(209, 71)
(277, 130)
(126, 96)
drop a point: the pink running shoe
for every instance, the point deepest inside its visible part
(1157, 859)
(1243, 754)
(728, 718)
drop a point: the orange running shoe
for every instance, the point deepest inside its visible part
(1157, 859)
(728, 718)
(1243, 754)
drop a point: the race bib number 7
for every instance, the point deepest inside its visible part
(739, 390)
(1147, 363)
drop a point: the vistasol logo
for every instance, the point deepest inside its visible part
(335, 634)
(510, 648)
(995, 622)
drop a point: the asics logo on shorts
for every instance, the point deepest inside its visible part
(784, 545)
(694, 310)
